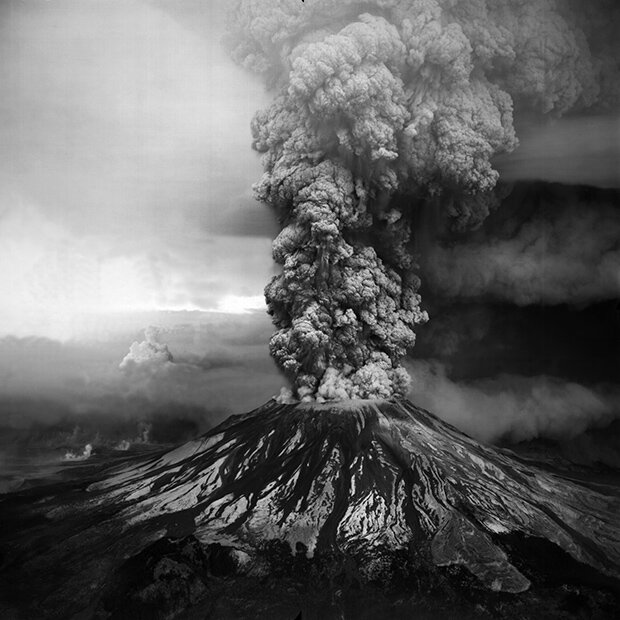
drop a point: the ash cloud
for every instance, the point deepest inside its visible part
(383, 110)
(391, 127)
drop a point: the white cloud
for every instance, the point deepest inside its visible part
(147, 353)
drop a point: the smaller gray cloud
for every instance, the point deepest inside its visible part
(149, 352)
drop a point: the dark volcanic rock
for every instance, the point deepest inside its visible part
(371, 505)
(161, 581)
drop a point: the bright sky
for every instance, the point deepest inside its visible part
(125, 164)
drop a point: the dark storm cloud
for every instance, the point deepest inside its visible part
(501, 372)
(480, 339)
(584, 150)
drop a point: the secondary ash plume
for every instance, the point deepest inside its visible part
(149, 352)
(383, 108)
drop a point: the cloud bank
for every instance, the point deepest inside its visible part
(564, 253)
(513, 408)
(180, 378)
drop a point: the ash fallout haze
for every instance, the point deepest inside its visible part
(394, 222)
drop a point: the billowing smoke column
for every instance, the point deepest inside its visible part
(384, 107)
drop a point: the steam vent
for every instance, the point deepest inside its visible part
(346, 498)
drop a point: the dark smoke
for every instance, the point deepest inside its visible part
(384, 109)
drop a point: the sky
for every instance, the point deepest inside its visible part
(126, 170)
(126, 201)
(127, 224)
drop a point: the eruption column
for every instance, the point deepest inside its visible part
(384, 107)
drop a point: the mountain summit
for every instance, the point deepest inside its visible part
(362, 481)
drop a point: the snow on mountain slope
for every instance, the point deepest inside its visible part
(361, 475)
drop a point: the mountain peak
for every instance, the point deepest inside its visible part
(365, 481)
(364, 474)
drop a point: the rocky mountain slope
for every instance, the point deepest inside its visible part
(375, 495)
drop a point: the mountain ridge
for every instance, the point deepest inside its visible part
(358, 478)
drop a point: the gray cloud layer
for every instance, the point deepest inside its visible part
(513, 408)
(583, 150)
(564, 253)
(202, 369)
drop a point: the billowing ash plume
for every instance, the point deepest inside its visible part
(384, 107)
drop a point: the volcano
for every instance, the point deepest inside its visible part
(318, 509)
